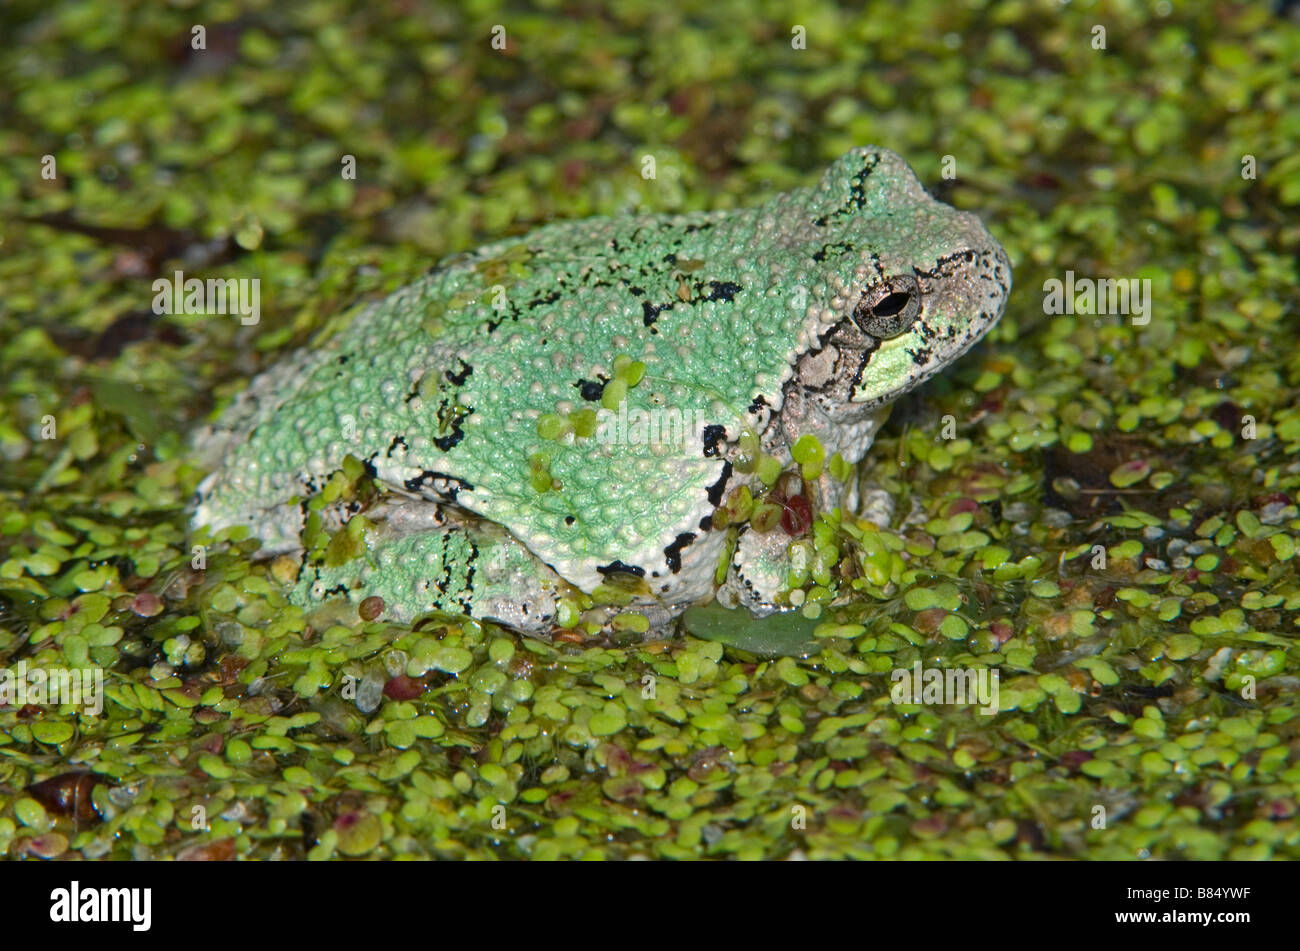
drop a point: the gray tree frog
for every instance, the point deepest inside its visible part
(562, 413)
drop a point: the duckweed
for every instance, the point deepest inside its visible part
(1112, 528)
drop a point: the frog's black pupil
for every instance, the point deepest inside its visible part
(891, 305)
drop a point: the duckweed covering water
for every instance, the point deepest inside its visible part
(1101, 508)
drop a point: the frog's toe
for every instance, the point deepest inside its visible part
(760, 567)
(876, 505)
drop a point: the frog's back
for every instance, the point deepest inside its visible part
(440, 387)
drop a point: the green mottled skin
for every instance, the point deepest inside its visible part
(439, 389)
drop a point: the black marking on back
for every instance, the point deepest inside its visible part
(947, 265)
(592, 390)
(723, 290)
(712, 435)
(820, 256)
(715, 491)
(449, 442)
(673, 553)
(619, 568)
(428, 477)
(469, 575)
(650, 313)
(459, 377)
(857, 199)
(536, 302)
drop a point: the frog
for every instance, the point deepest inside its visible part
(514, 411)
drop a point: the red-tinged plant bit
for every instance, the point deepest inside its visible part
(796, 516)
(957, 506)
(930, 827)
(48, 846)
(1270, 498)
(1002, 631)
(1073, 759)
(928, 621)
(617, 759)
(147, 604)
(1227, 415)
(223, 850)
(403, 687)
(359, 832)
(623, 789)
(1283, 808)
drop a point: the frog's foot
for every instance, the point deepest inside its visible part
(876, 505)
(422, 557)
(760, 567)
(759, 575)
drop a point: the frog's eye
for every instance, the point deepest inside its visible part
(890, 307)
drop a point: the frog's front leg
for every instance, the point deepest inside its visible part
(422, 557)
(763, 563)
